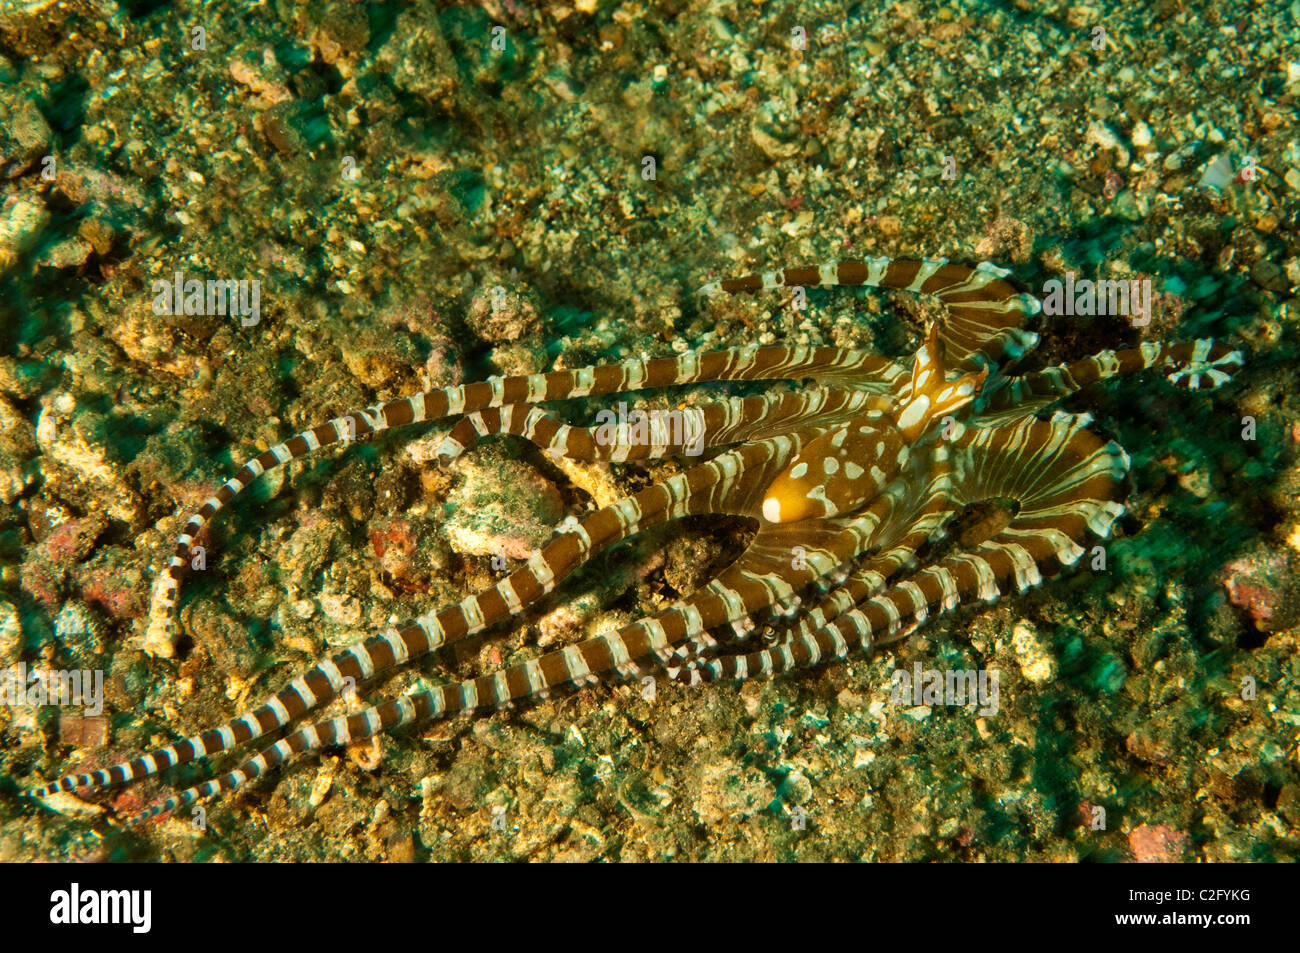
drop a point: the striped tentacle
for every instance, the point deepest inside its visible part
(666, 432)
(1067, 481)
(985, 312)
(779, 564)
(685, 664)
(1198, 364)
(341, 730)
(867, 624)
(863, 614)
(877, 621)
(1202, 364)
(727, 485)
(301, 695)
(161, 634)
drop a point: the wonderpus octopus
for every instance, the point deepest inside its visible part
(852, 478)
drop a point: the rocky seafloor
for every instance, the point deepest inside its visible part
(380, 167)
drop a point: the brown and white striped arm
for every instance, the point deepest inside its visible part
(668, 432)
(1197, 365)
(986, 313)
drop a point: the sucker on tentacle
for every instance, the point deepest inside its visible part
(848, 479)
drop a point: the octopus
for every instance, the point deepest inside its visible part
(854, 471)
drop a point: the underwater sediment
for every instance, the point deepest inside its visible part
(379, 169)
